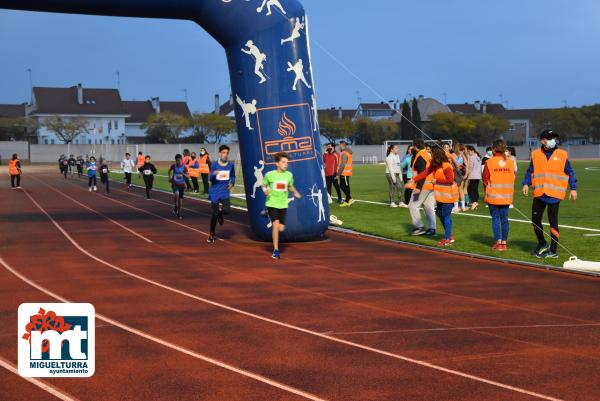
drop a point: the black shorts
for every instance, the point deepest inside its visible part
(277, 214)
(181, 190)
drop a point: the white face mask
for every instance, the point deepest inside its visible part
(490, 153)
(551, 143)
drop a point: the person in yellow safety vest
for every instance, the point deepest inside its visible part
(204, 169)
(14, 170)
(499, 179)
(441, 174)
(422, 194)
(549, 175)
(193, 167)
(345, 172)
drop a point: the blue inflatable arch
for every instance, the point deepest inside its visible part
(267, 47)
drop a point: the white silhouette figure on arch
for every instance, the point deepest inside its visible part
(298, 25)
(298, 69)
(259, 59)
(258, 175)
(317, 198)
(270, 3)
(247, 109)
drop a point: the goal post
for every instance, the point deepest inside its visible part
(403, 144)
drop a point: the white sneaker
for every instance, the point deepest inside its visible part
(402, 204)
(19, 187)
(90, 188)
(95, 188)
(393, 204)
(511, 207)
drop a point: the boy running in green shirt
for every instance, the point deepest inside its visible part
(276, 186)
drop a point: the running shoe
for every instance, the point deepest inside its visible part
(344, 204)
(402, 204)
(340, 201)
(90, 188)
(179, 215)
(540, 251)
(444, 243)
(275, 254)
(418, 231)
(95, 188)
(550, 254)
(430, 232)
(451, 240)
(393, 204)
(220, 218)
(497, 247)
(505, 247)
(174, 211)
(351, 202)
(211, 239)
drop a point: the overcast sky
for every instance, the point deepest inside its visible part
(535, 53)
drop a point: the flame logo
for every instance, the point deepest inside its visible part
(286, 126)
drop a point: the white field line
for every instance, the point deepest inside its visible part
(283, 324)
(41, 384)
(167, 344)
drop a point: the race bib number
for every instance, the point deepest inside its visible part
(280, 186)
(178, 177)
(223, 175)
(148, 172)
(105, 171)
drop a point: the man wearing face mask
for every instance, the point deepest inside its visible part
(549, 174)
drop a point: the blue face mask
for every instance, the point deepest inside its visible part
(551, 143)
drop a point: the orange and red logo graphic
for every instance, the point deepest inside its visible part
(280, 130)
(44, 321)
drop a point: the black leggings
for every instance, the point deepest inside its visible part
(104, 179)
(345, 186)
(537, 212)
(128, 178)
(222, 208)
(92, 181)
(149, 181)
(16, 178)
(332, 181)
(473, 190)
(205, 183)
(407, 191)
(195, 184)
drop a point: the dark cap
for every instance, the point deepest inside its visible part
(548, 134)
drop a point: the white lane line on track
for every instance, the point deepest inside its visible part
(61, 395)
(290, 326)
(98, 213)
(168, 344)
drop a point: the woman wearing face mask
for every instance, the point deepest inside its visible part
(393, 173)
(549, 174)
(204, 161)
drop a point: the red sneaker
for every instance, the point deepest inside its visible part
(497, 246)
(451, 240)
(504, 247)
(445, 242)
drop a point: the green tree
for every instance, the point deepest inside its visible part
(452, 126)
(488, 127)
(214, 125)
(570, 122)
(335, 129)
(17, 128)
(66, 129)
(592, 115)
(370, 132)
(406, 128)
(416, 118)
(165, 127)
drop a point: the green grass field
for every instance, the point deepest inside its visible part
(473, 234)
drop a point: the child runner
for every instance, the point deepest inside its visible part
(499, 178)
(60, 164)
(14, 169)
(444, 188)
(72, 162)
(140, 162)
(276, 185)
(104, 174)
(194, 171)
(222, 177)
(147, 170)
(91, 172)
(128, 166)
(64, 165)
(177, 177)
(79, 163)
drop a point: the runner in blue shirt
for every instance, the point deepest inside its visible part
(91, 172)
(177, 177)
(222, 177)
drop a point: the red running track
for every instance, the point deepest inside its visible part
(347, 318)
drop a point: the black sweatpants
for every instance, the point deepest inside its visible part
(537, 212)
(345, 186)
(149, 181)
(195, 184)
(91, 180)
(332, 181)
(16, 178)
(104, 180)
(473, 190)
(128, 178)
(205, 183)
(221, 208)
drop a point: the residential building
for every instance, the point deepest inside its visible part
(140, 111)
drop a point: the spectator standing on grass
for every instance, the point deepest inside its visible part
(104, 178)
(463, 169)
(549, 175)
(422, 195)
(441, 173)
(186, 162)
(345, 172)
(14, 170)
(128, 167)
(511, 153)
(194, 171)
(204, 162)
(474, 176)
(499, 179)
(331, 160)
(393, 173)
(407, 174)
(148, 170)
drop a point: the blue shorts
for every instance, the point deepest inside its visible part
(179, 189)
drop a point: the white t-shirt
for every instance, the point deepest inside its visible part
(128, 165)
(392, 164)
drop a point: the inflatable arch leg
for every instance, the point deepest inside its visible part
(267, 48)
